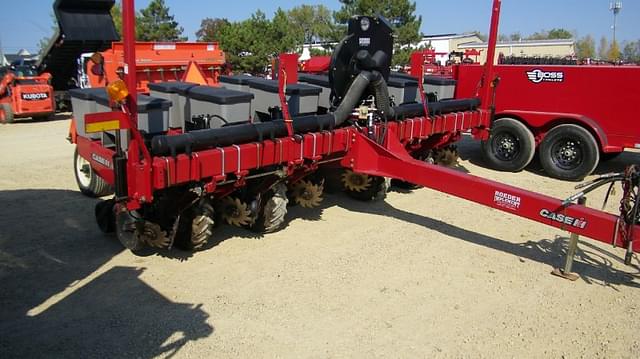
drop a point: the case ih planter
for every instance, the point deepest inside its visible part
(171, 187)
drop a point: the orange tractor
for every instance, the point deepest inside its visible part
(24, 93)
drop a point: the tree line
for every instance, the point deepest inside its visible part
(249, 44)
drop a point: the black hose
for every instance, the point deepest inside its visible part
(379, 87)
(353, 96)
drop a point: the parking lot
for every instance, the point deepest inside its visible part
(421, 274)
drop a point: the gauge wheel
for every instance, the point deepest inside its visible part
(510, 146)
(569, 152)
(89, 183)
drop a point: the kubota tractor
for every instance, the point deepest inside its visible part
(24, 93)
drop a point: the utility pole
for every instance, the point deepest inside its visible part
(615, 7)
(1, 53)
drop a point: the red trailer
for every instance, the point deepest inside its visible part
(573, 115)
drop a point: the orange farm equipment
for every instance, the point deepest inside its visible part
(23, 93)
(155, 62)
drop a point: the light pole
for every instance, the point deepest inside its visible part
(615, 7)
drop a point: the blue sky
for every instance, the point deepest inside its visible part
(17, 30)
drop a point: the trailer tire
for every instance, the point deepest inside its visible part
(271, 216)
(6, 113)
(510, 146)
(195, 228)
(89, 183)
(569, 152)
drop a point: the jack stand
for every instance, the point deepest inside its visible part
(566, 272)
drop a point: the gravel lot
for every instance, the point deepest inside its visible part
(421, 274)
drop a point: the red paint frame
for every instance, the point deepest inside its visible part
(357, 152)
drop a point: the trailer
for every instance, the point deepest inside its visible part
(573, 116)
(172, 186)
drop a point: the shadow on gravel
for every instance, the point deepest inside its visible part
(592, 263)
(57, 301)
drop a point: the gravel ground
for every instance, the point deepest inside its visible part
(421, 274)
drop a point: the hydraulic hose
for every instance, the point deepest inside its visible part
(353, 96)
(379, 87)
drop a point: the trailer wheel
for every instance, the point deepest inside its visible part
(569, 152)
(88, 181)
(364, 187)
(195, 227)
(271, 216)
(6, 113)
(510, 147)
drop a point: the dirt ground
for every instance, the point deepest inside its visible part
(421, 274)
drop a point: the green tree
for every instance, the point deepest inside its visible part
(248, 44)
(401, 13)
(319, 52)
(282, 37)
(211, 29)
(552, 34)
(586, 48)
(603, 49)
(614, 52)
(155, 23)
(116, 15)
(315, 23)
(559, 34)
(631, 52)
